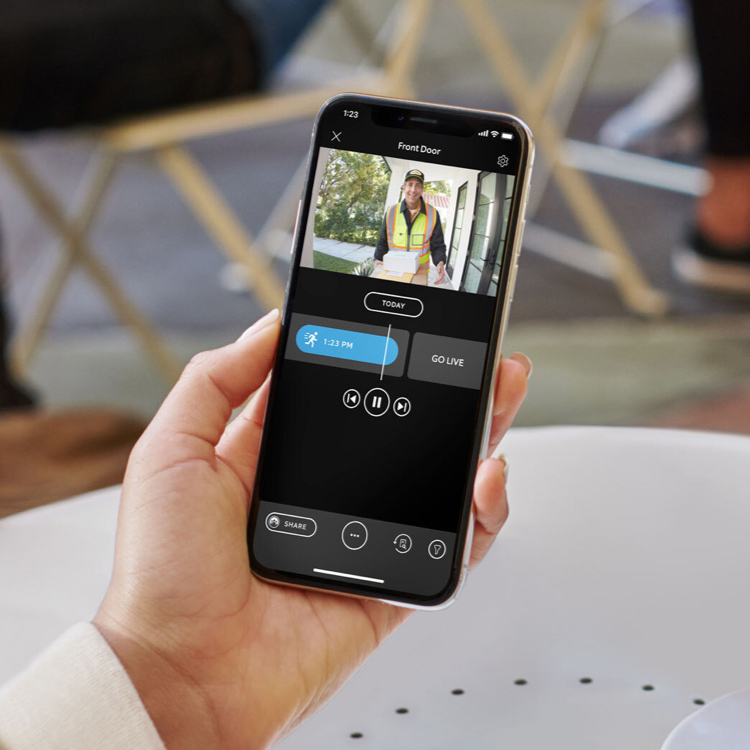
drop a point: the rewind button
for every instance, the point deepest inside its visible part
(352, 398)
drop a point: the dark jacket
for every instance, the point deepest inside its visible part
(73, 62)
(437, 242)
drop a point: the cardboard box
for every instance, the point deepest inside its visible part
(420, 277)
(401, 260)
(404, 278)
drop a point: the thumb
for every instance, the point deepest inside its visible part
(194, 415)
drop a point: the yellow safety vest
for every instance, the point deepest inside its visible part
(418, 240)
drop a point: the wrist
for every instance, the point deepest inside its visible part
(174, 703)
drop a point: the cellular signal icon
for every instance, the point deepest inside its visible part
(484, 133)
(495, 133)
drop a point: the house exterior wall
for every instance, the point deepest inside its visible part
(463, 245)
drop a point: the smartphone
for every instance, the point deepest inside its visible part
(403, 268)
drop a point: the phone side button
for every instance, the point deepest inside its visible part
(296, 227)
(519, 239)
(512, 283)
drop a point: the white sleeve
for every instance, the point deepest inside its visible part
(75, 695)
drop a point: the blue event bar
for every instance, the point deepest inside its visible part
(351, 345)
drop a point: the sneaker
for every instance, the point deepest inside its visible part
(13, 395)
(703, 263)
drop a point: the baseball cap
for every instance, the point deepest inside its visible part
(414, 174)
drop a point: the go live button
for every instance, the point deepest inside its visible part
(448, 361)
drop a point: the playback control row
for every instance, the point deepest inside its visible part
(376, 402)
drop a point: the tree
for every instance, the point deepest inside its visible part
(352, 197)
(441, 187)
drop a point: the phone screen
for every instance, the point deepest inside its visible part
(372, 433)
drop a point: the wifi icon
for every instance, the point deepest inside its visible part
(495, 133)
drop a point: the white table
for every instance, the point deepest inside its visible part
(625, 561)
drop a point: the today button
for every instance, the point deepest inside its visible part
(394, 304)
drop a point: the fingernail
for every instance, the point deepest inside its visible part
(522, 359)
(498, 456)
(266, 320)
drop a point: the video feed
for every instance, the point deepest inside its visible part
(411, 222)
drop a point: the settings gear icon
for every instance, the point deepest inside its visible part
(503, 161)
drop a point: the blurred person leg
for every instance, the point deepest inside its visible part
(12, 394)
(718, 254)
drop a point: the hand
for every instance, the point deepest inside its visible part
(441, 273)
(378, 262)
(220, 658)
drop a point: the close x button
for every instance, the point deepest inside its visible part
(394, 304)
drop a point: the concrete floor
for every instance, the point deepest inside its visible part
(594, 362)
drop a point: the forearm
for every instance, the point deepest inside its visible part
(382, 247)
(437, 245)
(75, 695)
(178, 710)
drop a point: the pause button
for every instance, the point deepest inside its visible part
(377, 402)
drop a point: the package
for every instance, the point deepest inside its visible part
(401, 260)
(422, 274)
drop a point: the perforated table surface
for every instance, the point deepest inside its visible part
(613, 603)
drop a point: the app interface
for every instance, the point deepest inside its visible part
(372, 428)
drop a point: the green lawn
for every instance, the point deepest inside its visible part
(325, 262)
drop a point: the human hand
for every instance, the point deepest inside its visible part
(441, 273)
(378, 262)
(220, 658)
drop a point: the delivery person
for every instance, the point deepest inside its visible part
(413, 225)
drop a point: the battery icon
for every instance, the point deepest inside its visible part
(507, 136)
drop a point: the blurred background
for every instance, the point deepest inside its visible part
(665, 353)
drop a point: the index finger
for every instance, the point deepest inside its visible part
(511, 385)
